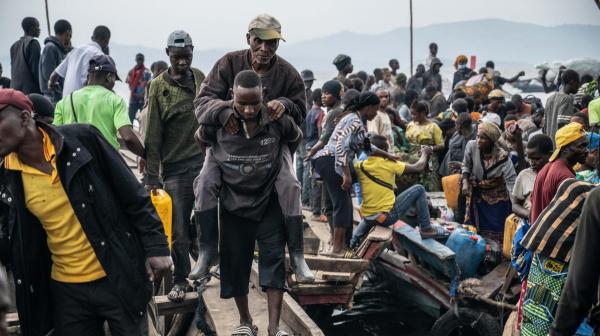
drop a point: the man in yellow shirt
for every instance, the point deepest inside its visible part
(377, 178)
(78, 230)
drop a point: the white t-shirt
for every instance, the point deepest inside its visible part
(382, 125)
(74, 68)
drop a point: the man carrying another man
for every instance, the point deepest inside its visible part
(249, 161)
(284, 95)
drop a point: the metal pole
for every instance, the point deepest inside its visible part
(47, 18)
(411, 37)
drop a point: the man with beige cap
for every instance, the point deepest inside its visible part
(283, 93)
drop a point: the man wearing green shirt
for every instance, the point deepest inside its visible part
(172, 156)
(98, 105)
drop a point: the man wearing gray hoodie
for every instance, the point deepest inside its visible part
(55, 50)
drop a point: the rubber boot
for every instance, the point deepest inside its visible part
(207, 223)
(294, 234)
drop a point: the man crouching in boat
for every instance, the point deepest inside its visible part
(377, 177)
(250, 160)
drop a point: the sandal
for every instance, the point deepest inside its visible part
(281, 333)
(245, 330)
(345, 254)
(438, 232)
(177, 293)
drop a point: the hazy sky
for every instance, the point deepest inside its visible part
(222, 23)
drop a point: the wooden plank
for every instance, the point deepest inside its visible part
(336, 276)
(427, 251)
(336, 264)
(491, 282)
(167, 307)
(291, 313)
(338, 299)
(322, 289)
(223, 314)
(374, 243)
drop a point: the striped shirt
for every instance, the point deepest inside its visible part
(553, 233)
(348, 135)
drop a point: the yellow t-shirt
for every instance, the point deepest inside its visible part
(73, 259)
(377, 198)
(429, 134)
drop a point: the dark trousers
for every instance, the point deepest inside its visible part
(82, 309)
(180, 188)
(315, 198)
(459, 215)
(236, 250)
(342, 202)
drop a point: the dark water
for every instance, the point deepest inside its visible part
(378, 310)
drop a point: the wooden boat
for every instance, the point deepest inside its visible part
(423, 270)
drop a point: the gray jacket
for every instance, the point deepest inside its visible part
(249, 164)
(54, 52)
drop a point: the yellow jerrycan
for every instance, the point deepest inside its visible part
(164, 207)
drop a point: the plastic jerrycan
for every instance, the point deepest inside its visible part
(469, 248)
(164, 207)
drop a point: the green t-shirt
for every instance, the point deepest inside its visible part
(94, 105)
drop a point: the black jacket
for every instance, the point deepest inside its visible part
(54, 52)
(114, 210)
(24, 65)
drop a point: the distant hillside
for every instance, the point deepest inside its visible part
(502, 41)
(507, 43)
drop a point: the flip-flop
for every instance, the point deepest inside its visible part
(177, 293)
(245, 330)
(346, 254)
(439, 232)
(281, 333)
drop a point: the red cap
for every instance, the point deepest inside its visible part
(16, 99)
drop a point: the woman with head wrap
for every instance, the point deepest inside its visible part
(488, 176)
(332, 164)
(462, 70)
(421, 131)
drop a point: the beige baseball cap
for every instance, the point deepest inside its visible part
(266, 27)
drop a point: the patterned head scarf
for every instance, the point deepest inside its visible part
(491, 130)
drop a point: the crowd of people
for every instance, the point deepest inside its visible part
(244, 149)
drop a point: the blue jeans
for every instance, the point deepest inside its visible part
(414, 196)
